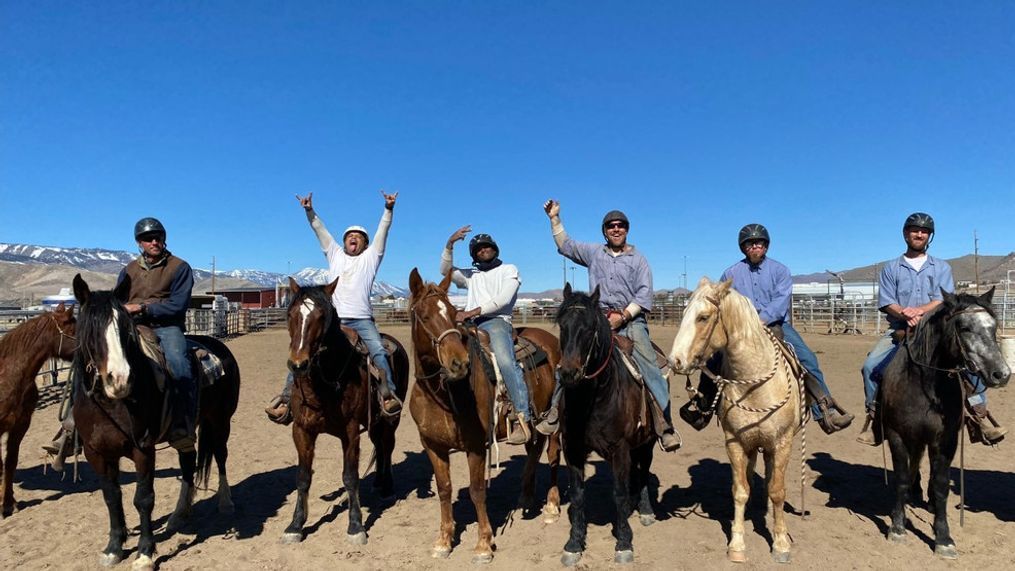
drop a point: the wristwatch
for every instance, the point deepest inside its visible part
(144, 309)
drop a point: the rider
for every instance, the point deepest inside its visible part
(493, 291)
(910, 287)
(768, 284)
(625, 287)
(160, 288)
(356, 262)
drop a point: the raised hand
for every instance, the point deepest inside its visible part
(552, 208)
(307, 202)
(459, 235)
(389, 199)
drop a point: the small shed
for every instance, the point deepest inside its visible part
(250, 297)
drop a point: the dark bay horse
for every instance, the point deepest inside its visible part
(601, 408)
(332, 394)
(118, 408)
(921, 400)
(453, 406)
(22, 353)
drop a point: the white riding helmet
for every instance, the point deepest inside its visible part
(359, 229)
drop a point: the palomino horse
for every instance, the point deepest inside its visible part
(760, 390)
(603, 411)
(22, 352)
(332, 395)
(118, 410)
(921, 400)
(453, 406)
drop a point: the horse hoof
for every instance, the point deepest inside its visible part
(143, 563)
(570, 559)
(946, 551)
(895, 537)
(440, 552)
(357, 538)
(737, 556)
(482, 558)
(110, 559)
(647, 519)
(781, 556)
(290, 538)
(624, 557)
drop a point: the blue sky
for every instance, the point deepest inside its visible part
(827, 122)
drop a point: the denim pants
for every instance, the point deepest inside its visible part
(174, 347)
(809, 361)
(367, 330)
(645, 357)
(878, 354)
(499, 331)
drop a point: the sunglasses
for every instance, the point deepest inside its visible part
(613, 225)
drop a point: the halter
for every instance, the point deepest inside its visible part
(592, 347)
(956, 372)
(63, 334)
(435, 340)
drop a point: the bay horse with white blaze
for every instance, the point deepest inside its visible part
(23, 350)
(118, 411)
(759, 398)
(922, 394)
(332, 394)
(453, 404)
(602, 411)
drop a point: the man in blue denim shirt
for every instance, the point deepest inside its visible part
(625, 294)
(909, 287)
(769, 286)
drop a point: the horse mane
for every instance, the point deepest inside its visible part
(742, 317)
(928, 334)
(22, 339)
(577, 300)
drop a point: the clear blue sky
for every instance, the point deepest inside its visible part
(828, 122)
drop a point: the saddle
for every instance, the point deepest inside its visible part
(529, 356)
(626, 347)
(361, 347)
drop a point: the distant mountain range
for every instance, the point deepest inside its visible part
(992, 269)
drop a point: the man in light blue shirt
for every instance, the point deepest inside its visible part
(909, 287)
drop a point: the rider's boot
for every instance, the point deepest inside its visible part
(698, 411)
(833, 417)
(990, 431)
(669, 440)
(873, 436)
(183, 425)
(550, 421)
(278, 410)
(391, 405)
(521, 433)
(62, 447)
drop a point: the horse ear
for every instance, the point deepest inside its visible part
(949, 298)
(723, 288)
(122, 289)
(703, 281)
(330, 288)
(415, 281)
(445, 283)
(81, 291)
(986, 298)
(595, 296)
(60, 306)
(567, 290)
(293, 286)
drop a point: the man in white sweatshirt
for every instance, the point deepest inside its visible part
(355, 261)
(493, 291)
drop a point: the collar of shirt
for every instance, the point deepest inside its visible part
(628, 250)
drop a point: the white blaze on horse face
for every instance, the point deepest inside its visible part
(683, 343)
(305, 310)
(115, 384)
(443, 309)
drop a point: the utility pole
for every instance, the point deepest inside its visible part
(564, 263)
(976, 262)
(213, 275)
(684, 275)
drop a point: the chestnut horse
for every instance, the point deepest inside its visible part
(332, 394)
(453, 406)
(22, 352)
(118, 410)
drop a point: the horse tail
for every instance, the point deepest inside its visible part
(205, 449)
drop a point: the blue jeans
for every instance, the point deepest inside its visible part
(499, 331)
(645, 358)
(174, 347)
(809, 361)
(881, 350)
(367, 330)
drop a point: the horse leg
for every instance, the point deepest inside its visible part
(109, 474)
(777, 495)
(355, 534)
(144, 502)
(382, 435)
(221, 452)
(736, 550)
(621, 465)
(641, 477)
(188, 464)
(915, 489)
(533, 449)
(576, 512)
(305, 442)
(551, 511)
(940, 461)
(902, 474)
(483, 553)
(10, 464)
(442, 475)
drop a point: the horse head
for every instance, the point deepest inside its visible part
(66, 327)
(700, 334)
(434, 333)
(311, 315)
(974, 329)
(585, 336)
(105, 334)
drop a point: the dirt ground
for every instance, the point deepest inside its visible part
(63, 525)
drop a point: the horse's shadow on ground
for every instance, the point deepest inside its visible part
(61, 484)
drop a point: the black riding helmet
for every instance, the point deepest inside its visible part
(480, 240)
(920, 220)
(752, 232)
(149, 225)
(615, 216)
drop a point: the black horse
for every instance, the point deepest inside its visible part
(118, 412)
(601, 412)
(921, 400)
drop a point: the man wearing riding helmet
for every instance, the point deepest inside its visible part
(625, 293)
(160, 289)
(355, 261)
(769, 286)
(910, 287)
(493, 291)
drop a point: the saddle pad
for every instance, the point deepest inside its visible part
(795, 367)
(209, 366)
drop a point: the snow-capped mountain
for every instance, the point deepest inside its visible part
(319, 276)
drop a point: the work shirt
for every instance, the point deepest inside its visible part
(622, 279)
(494, 292)
(356, 273)
(902, 285)
(768, 285)
(164, 287)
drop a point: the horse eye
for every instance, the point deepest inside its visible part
(702, 318)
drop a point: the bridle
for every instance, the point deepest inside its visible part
(956, 372)
(63, 335)
(592, 347)
(435, 339)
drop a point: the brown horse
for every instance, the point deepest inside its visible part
(22, 352)
(453, 406)
(332, 395)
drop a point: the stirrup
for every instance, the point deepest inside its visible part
(279, 411)
(394, 413)
(550, 422)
